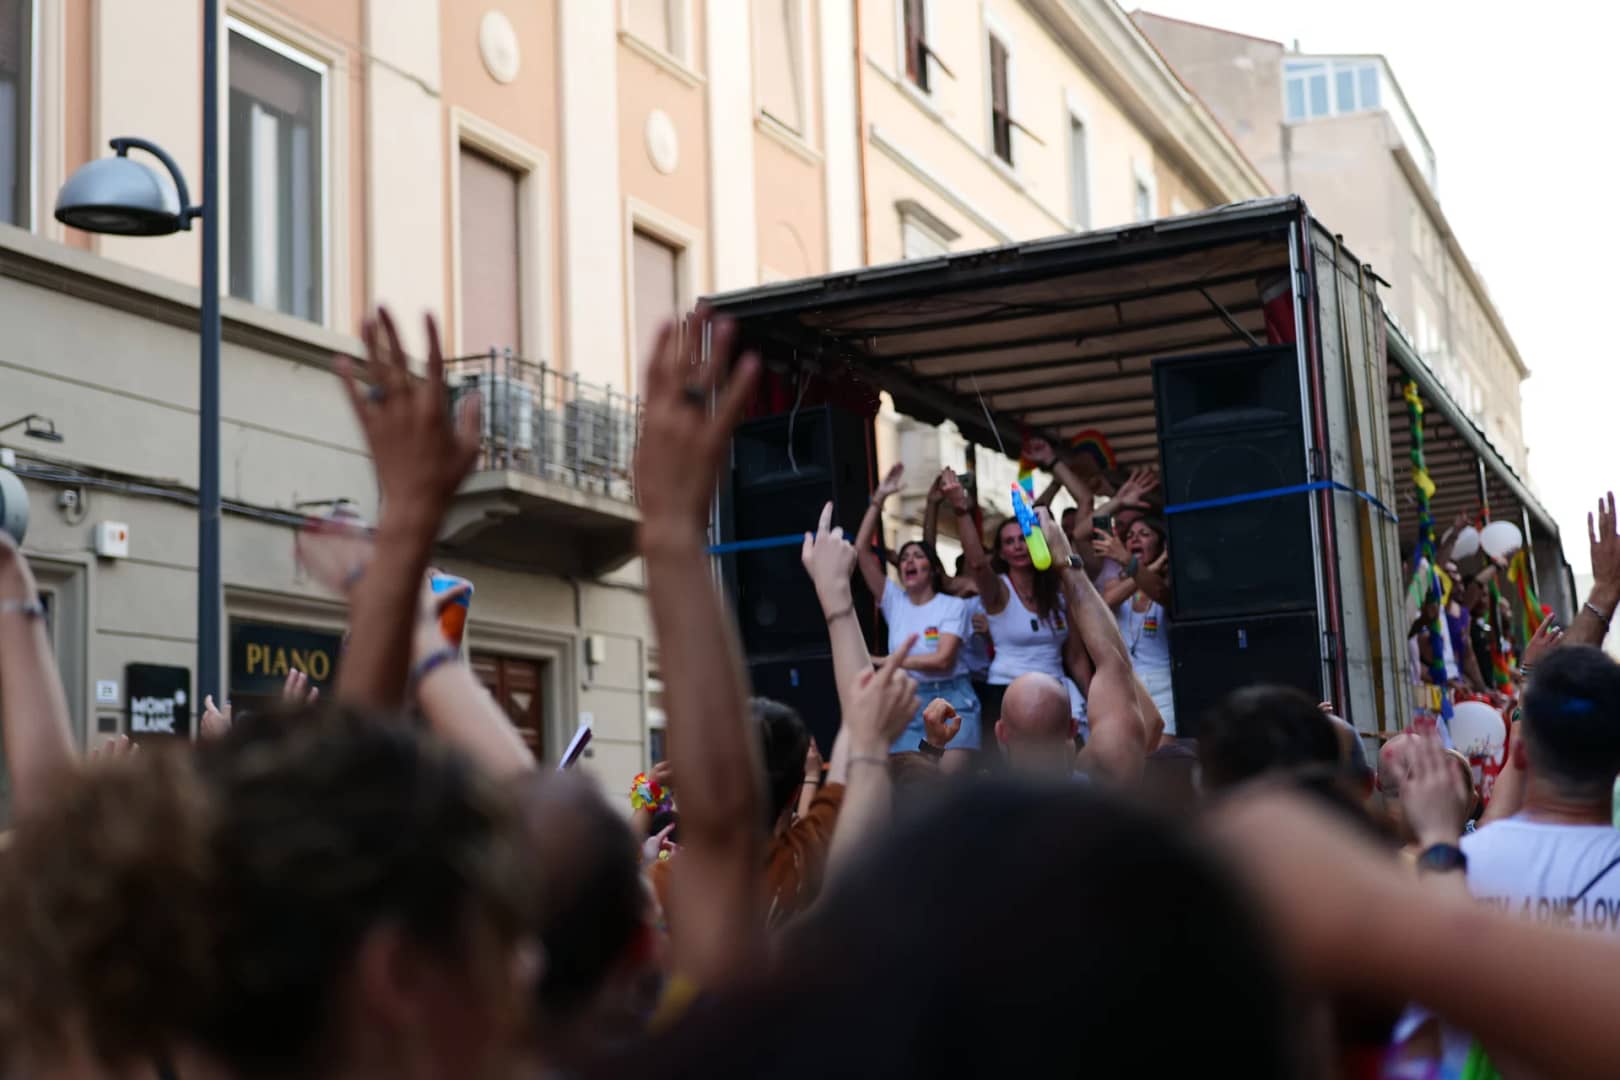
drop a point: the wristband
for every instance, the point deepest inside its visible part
(648, 794)
(928, 749)
(868, 759)
(1594, 609)
(32, 609)
(1442, 859)
(425, 666)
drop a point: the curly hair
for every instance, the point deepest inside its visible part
(218, 899)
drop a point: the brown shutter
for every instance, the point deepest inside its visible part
(1000, 118)
(657, 288)
(491, 271)
(916, 49)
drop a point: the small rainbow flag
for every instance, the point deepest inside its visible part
(931, 635)
(1095, 444)
(1150, 626)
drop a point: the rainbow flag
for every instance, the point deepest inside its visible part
(1150, 626)
(931, 635)
(1094, 444)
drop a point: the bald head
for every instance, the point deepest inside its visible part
(1036, 726)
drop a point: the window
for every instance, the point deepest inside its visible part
(16, 108)
(277, 169)
(658, 23)
(1317, 88)
(1079, 175)
(517, 684)
(1143, 202)
(491, 259)
(779, 62)
(656, 266)
(915, 22)
(1001, 121)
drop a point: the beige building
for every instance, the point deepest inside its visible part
(1337, 130)
(552, 177)
(1011, 120)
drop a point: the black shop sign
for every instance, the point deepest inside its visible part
(160, 703)
(263, 653)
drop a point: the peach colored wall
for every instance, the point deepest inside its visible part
(78, 93)
(643, 87)
(790, 191)
(525, 108)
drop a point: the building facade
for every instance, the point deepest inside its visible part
(552, 178)
(1338, 131)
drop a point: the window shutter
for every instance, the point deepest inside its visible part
(491, 271)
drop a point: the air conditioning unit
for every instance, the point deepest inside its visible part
(507, 411)
(597, 431)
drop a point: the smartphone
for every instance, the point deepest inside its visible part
(1102, 522)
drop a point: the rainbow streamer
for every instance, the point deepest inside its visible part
(1094, 444)
(1534, 613)
(1426, 553)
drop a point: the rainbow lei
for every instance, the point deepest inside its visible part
(1426, 548)
(648, 794)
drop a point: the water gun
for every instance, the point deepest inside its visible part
(1034, 539)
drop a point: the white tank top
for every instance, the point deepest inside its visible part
(1147, 635)
(1024, 642)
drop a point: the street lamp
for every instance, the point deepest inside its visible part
(124, 197)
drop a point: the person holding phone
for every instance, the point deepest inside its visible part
(1140, 596)
(920, 605)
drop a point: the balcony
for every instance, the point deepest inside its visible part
(552, 488)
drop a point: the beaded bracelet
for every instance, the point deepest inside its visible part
(647, 794)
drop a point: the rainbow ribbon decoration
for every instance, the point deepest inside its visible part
(1094, 444)
(1426, 553)
(1534, 613)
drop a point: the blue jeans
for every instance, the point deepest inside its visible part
(959, 692)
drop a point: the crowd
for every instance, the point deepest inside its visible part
(1009, 863)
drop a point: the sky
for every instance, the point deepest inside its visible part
(1519, 111)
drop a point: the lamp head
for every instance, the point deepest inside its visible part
(122, 196)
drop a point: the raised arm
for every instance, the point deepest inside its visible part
(827, 558)
(1132, 492)
(421, 457)
(33, 708)
(718, 929)
(1591, 623)
(877, 710)
(992, 593)
(867, 557)
(1118, 743)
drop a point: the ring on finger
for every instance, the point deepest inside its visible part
(695, 395)
(377, 394)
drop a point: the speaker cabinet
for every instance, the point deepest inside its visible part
(1211, 658)
(1231, 425)
(805, 682)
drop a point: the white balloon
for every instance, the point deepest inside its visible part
(1501, 539)
(1478, 730)
(1466, 544)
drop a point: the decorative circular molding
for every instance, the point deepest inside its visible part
(498, 46)
(663, 144)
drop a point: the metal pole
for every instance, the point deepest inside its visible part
(210, 590)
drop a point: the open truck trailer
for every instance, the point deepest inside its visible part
(1244, 351)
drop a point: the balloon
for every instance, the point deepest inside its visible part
(1478, 730)
(1466, 544)
(1501, 539)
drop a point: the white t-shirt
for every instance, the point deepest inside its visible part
(944, 614)
(1146, 633)
(1024, 641)
(1566, 875)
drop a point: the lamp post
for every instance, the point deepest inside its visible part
(125, 197)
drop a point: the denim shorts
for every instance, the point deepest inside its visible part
(959, 692)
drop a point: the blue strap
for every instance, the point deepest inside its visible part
(793, 540)
(1277, 493)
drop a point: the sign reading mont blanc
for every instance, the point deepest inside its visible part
(159, 701)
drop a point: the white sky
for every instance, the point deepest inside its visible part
(1518, 105)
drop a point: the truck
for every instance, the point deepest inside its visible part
(1244, 351)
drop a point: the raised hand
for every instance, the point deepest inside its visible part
(813, 763)
(297, 691)
(941, 722)
(215, 721)
(883, 701)
(113, 749)
(421, 455)
(1109, 546)
(334, 551)
(955, 494)
(891, 483)
(1605, 543)
(828, 558)
(1432, 791)
(936, 492)
(1546, 638)
(1137, 485)
(682, 443)
(1039, 451)
(1057, 541)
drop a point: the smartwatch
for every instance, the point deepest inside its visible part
(928, 749)
(1442, 859)
(1075, 563)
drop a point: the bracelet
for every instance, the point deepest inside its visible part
(425, 666)
(813, 781)
(840, 613)
(1593, 608)
(929, 750)
(869, 759)
(648, 794)
(32, 609)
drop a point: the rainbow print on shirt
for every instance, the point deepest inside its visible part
(931, 636)
(1150, 626)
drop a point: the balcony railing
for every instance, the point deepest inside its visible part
(549, 424)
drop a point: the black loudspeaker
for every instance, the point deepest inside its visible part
(1232, 424)
(806, 683)
(775, 492)
(1211, 658)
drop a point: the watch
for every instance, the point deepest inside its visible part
(928, 749)
(1075, 563)
(1442, 859)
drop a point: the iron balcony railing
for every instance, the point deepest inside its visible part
(549, 424)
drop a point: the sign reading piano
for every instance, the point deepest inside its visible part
(262, 654)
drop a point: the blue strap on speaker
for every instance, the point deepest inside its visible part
(1277, 493)
(759, 544)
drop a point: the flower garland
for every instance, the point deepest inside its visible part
(647, 794)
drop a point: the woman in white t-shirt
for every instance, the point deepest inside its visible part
(1140, 597)
(1024, 606)
(920, 605)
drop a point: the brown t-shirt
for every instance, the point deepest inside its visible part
(797, 857)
